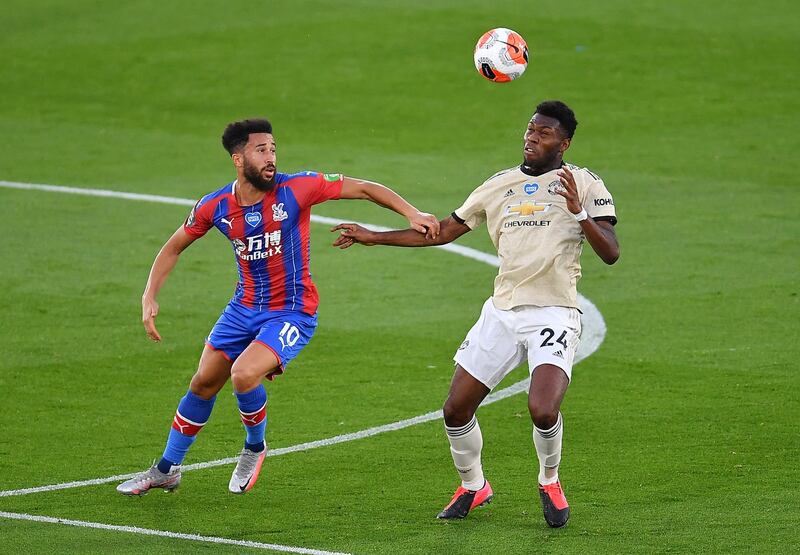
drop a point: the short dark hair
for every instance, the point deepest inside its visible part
(560, 111)
(237, 133)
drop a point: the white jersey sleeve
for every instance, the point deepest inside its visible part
(473, 212)
(598, 202)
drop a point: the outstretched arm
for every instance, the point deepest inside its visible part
(353, 188)
(164, 263)
(450, 230)
(599, 234)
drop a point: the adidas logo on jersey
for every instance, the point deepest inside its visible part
(510, 193)
(558, 354)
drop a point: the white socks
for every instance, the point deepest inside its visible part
(466, 443)
(548, 449)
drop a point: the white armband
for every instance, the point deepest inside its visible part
(582, 215)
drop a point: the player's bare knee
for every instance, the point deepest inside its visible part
(544, 415)
(455, 415)
(544, 420)
(203, 390)
(243, 382)
(245, 377)
(204, 387)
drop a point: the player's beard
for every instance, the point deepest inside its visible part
(544, 163)
(253, 175)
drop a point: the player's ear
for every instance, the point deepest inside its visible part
(565, 142)
(238, 159)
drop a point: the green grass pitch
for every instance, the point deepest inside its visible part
(681, 431)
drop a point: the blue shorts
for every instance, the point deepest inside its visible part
(284, 332)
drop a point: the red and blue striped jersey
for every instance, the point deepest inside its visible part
(270, 239)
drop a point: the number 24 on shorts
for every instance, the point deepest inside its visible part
(548, 335)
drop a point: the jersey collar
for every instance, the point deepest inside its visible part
(528, 171)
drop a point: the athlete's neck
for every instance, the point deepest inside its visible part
(536, 170)
(246, 193)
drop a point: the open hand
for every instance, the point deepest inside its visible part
(569, 190)
(351, 234)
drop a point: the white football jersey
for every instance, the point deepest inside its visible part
(537, 239)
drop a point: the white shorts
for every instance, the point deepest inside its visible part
(500, 340)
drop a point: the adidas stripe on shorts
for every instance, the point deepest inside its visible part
(501, 339)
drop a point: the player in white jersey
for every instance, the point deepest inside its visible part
(538, 215)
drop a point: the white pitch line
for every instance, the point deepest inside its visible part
(458, 249)
(165, 534)
(594, 331)
(96, 193)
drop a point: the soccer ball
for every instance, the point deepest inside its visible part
(501, 55)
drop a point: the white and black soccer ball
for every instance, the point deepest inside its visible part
(501, 55)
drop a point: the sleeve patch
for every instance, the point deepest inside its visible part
(191, 219)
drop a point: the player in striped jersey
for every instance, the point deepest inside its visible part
(265, 215)
(538, 215)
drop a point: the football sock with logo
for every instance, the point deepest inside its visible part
(253, 410)
(466, 443)
(192, 414)
(548, 449)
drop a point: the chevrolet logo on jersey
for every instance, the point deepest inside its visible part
(527, 208)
